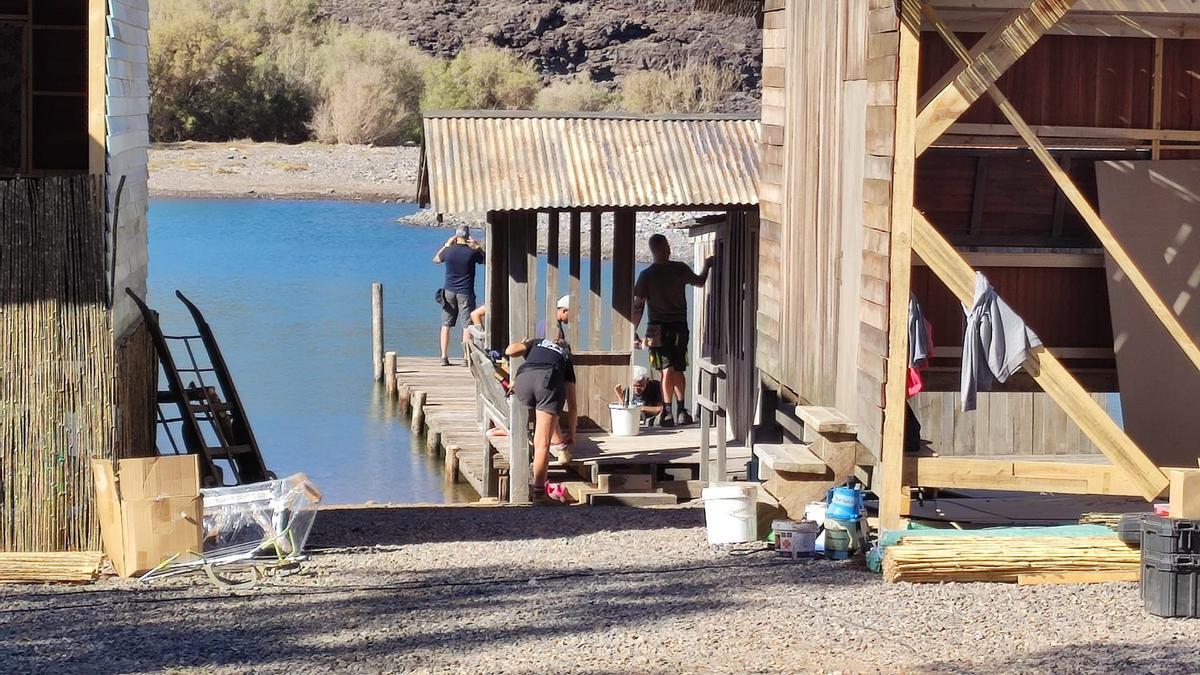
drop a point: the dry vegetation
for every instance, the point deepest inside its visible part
(273, 70)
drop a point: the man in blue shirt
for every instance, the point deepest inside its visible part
(460, 254)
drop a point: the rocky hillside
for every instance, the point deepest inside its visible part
(601, 38)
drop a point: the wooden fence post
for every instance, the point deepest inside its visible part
(377, 329)
(389, 372)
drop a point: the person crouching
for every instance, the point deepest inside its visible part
(646, 394)
(545, 383)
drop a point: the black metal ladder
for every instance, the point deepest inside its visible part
(202, 406)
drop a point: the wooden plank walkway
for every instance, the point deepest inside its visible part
(447, 414)
(440, 401)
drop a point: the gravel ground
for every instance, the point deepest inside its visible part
(476, 589)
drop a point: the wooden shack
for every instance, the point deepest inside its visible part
(590, 174)
(1049, 144)
(77, 379)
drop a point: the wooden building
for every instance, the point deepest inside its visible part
(77, 379)
(591, 174)
(1051, 145)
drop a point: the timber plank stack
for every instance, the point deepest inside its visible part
(935, 559)
(59, 567)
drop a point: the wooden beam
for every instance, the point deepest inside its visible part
(552, 274)
(1094, 133)
(574, 246)
(1180, 7)
(97, 103)
(1185, 493)
(518, 322)
(1085, 209)
(978, 193)
(1157, 93)
(893, 502)
(624, 232)
(595, 301)
(986, 62)
(985, 473)
(1049, 373)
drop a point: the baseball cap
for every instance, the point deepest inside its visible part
(462, 232)
(564, 302)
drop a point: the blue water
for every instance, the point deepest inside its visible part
(286, 287)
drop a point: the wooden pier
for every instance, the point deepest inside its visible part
(658, 467)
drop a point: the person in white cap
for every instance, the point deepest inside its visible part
(646, 393)
(460, 254)
(562, 314)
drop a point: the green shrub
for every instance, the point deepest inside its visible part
(370, 86)
(481, 78)
(695, 87)
(572, 95)
(212, 72)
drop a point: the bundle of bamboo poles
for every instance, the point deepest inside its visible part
(967, 558)
(40, 568)
(1109, 520)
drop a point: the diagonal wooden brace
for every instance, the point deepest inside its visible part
(994, 54)
(1047, 370)
(1085, 209)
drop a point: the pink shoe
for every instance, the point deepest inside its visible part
(558, 492)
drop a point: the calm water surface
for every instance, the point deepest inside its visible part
(286, 288)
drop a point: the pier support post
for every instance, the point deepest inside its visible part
(418, 411)
(389, 372)
(377, 329)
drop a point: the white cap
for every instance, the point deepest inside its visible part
(564, 302)
(640, 373)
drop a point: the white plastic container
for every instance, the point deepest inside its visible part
(729, 513)
(626, 420)
(815, 511)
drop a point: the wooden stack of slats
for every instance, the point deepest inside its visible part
(38, 568)
(967, 558)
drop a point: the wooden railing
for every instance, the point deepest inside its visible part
(712, 385)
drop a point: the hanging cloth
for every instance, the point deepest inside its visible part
(996, 344)
(920, 346)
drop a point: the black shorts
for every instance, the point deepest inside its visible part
(672, 349)
(541, 389)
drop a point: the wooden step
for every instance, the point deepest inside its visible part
(789, 458)
(633, 499)
(625, 482)
(824, 420)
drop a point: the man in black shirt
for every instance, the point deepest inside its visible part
(460, 254)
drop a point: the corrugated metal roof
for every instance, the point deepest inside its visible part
(734, 7)
(495, 161)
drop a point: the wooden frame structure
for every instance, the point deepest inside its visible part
(899, 158)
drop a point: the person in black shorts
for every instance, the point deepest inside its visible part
(460, 254)
(661, 289)
(545, 382)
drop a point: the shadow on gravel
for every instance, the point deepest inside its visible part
(437, 620)
(1092, 657)
(402, 525)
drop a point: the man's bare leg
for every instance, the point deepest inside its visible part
(445, 341)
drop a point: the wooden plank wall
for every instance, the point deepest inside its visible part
(128, 138)
(1010, 423)
(829, 80)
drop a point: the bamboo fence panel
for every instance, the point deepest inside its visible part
(967, 558)
(57, 373)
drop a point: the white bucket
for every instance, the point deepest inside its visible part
(626, 420)
(815, 511)
(729, 513)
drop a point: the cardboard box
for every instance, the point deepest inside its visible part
(150, 510)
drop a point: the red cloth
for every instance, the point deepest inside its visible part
(914, 385)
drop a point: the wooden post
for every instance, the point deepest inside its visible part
(573, 269)
(418, 412)
(451, 466)
(97, 34)
(518, 323)
(1156, 108)
(531, 271)
(595, 300)
(624, 232)
(552, 275)
(377, 329)
(496, 322)
(389, 372)
(722, 424)
(893, 503)
(404, 398)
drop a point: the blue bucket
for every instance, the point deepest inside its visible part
(844, 503)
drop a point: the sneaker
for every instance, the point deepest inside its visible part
(561, 452)
(666, 421)
(445, 361)
(558, 492)
(685, 419)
